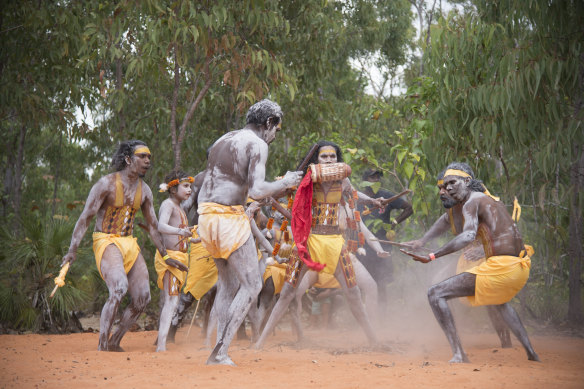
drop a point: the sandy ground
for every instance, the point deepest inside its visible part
(335, 359)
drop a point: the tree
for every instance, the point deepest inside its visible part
(509, 76)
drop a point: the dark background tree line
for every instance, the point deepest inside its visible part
(496, 84)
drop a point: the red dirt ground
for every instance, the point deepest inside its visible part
(339, 359)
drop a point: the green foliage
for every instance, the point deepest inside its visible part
(28, 267)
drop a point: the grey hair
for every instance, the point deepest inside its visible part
(475, 185)
(260, 112)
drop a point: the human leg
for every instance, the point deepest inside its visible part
(184, 302)
(167, 312)
(114, 275)
(368, 289)
(241, 265)
(500, 326)
(139, 290)
(514, 322)
(353, 296)
(459, 285)
(286, 296)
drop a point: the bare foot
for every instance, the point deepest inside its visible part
(115, 348)
(213, 360)
(533, 357)
(459, 358)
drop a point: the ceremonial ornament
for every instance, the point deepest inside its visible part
(329, 171)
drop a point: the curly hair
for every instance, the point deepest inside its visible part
(125, 149)
(260, 112)
(321, 144)
(475, 184)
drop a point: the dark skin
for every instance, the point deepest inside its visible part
(501, 238)
(136, 282)
(475, 253)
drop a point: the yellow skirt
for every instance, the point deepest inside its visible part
(161, 267)
(499, 279)
(223, 228)
(128, 246)
(202, 273)
(326, 281)
(278, 274)
(326, 249)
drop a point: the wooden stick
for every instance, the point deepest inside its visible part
(397, 196)
(281, 209)
(398, 244)
(193, 319)
(307, 159)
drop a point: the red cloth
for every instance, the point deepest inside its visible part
(302, 221)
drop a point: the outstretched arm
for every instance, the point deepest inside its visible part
(348, 189)
(257, 184)
(152, 225)
(406, 212)
(96, 197)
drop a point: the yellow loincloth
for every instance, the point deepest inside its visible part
(326, 249)
(202, 273)
(326, 281)
(128, 246)
(278, 273)
(223, 228)
(499, 279)
(161, 267)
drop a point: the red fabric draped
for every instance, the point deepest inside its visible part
(302, 221)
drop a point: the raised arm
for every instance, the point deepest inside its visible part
(257, 184)
(97, 196)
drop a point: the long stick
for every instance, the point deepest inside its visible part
(281, 209)
(397, 196)
(307, 159)
(397, 244)
(193, 319)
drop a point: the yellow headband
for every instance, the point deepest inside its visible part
(142, 150)
(455, 172)
(321, 150)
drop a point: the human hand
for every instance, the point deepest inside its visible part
(292, 178)
(178, 264)
(280, 259)
(383, 254)
(413, 244)
(186, 232)
(69, 258)
(416, 257)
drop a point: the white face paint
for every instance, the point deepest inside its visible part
(457, 187)
(327, 154)
(139, 163)
(183, 191)
(270, 134)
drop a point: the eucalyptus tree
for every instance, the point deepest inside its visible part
(509, 77)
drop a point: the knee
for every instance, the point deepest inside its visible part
(142, 300)
(119, 291)
(433, 294)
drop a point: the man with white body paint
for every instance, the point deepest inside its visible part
(236, 170)
(494, 282)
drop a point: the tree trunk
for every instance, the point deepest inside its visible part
(17, 179)
(57, 171)
(576, 232)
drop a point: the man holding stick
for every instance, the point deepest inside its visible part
(114, 200)
(498, 279)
